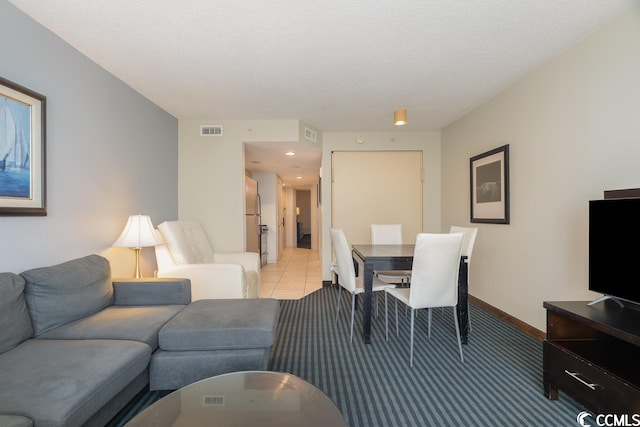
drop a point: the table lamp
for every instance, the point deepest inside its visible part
(138, 234)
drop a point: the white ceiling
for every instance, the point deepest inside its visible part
(336, 65)
(300, 171)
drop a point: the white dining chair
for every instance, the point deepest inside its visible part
(347, 275)
(470, 234)
(389, 234)
(434, 281)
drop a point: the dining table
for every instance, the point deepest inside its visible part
(400, 257)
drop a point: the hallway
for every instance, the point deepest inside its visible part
(298, 273)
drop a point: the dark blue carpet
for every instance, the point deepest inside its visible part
(499, 383)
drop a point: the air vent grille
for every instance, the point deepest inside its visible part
(211, 130)
(310, 134)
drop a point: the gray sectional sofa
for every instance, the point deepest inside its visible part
(76, 347)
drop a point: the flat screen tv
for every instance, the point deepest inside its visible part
(614, 248)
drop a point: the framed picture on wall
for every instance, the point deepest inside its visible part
(490, 186)
(22, 150)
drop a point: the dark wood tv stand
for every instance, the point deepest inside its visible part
(592, 354)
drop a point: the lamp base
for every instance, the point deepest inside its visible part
(138, 274)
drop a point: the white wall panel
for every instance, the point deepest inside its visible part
(377, 187)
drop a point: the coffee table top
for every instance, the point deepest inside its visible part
(252, 398)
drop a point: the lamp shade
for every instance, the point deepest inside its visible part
(138, 233)
(400, 117)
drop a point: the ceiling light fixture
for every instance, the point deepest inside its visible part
(400, 117)
(290, 153)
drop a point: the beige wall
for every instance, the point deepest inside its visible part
(211, 171)
(427, 142)
(574, 130)
(376, 187)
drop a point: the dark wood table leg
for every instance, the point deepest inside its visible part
(463, 301)
(368, 299)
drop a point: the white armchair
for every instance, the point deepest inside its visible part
(187, 253)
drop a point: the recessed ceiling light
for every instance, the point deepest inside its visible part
(290, 153)
(298, 177)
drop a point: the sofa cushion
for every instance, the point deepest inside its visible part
(15, 421)
(66, 292)
(119, 323)
(15, 323)
(64, 382)
(222, 324)
(171, 370)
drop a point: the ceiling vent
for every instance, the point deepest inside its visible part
(211, 130)
(311, 135)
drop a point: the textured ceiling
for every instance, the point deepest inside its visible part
(334, 64)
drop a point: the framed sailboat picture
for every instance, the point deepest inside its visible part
(22, 150)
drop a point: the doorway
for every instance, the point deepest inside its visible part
(296, 167)
(303, 219)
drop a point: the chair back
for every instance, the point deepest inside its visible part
(469, 240)
(187, 242)
(436, 264)
(344, 259)
(386, 234)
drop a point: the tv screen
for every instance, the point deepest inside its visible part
(614, 248)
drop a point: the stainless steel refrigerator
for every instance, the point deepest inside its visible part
(252, 215)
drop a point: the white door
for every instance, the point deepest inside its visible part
(376, 187)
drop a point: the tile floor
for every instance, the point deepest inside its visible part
(298, 273)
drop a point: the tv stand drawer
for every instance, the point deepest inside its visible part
(586, 382)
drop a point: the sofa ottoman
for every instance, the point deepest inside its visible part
(213, 337)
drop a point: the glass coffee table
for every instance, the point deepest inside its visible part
(252, 398)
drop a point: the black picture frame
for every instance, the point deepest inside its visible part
(489, 192)
(22, 151)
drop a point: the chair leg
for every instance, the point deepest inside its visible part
(455, 318)
(413, 316)
(386, 315)
(397, 331)
(429, 322)
(406, 307)
(338, 306)
(353, 312)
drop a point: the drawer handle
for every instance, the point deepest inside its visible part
(576, 376)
